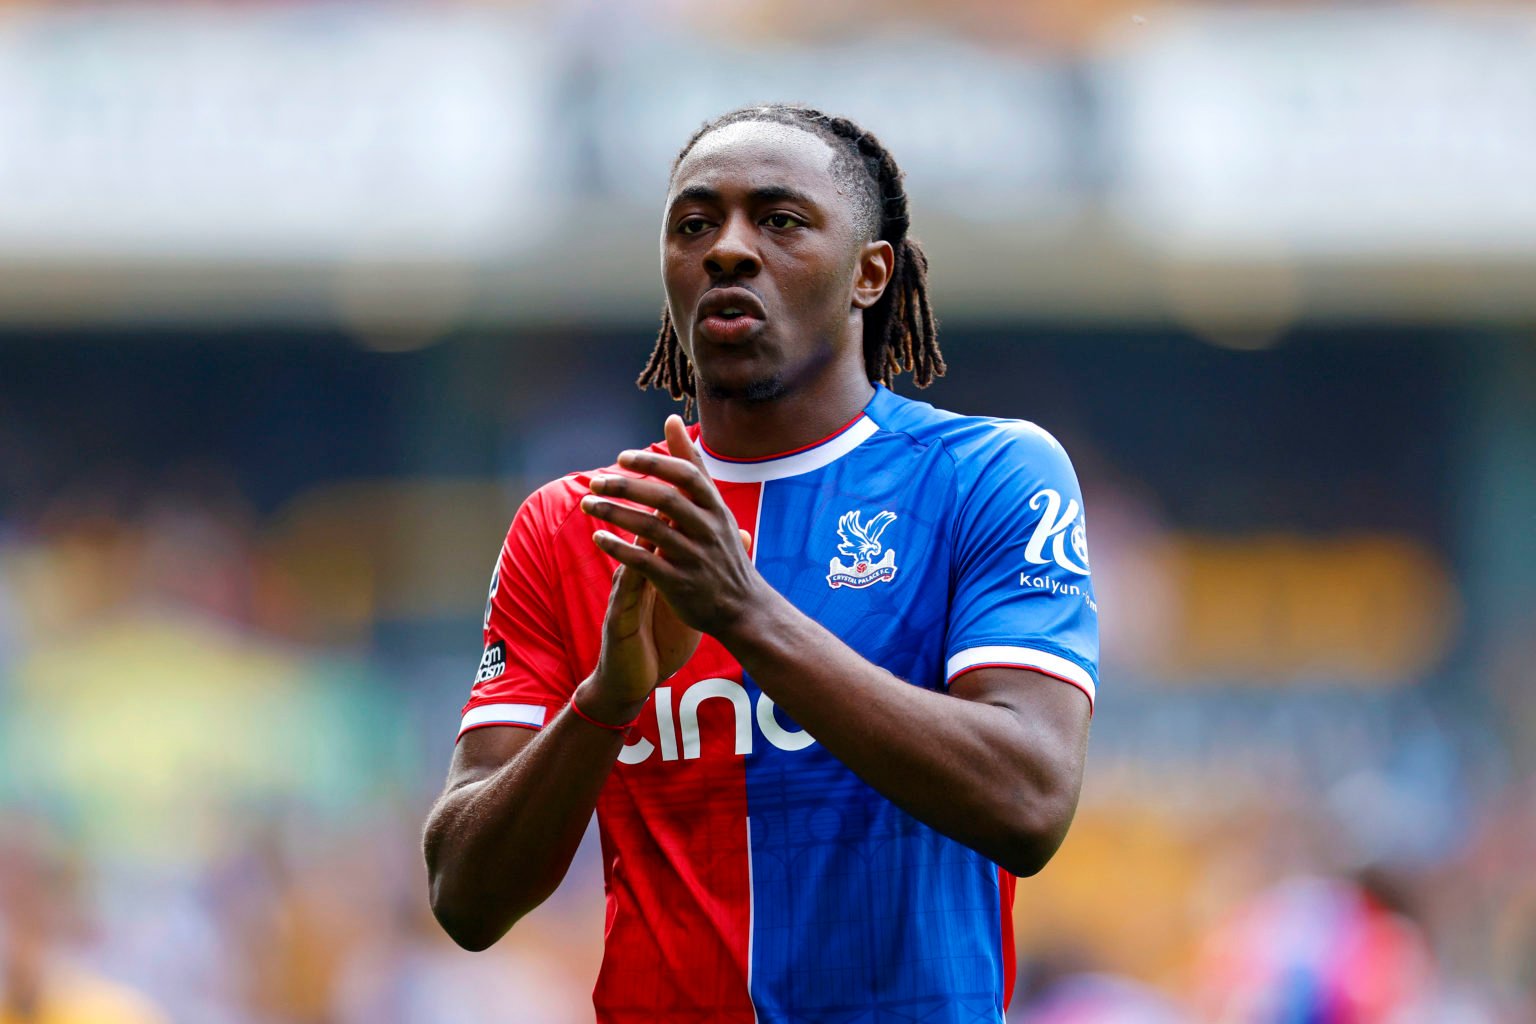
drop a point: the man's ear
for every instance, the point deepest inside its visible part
(876, 261)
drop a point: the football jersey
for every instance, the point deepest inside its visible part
(750, 875)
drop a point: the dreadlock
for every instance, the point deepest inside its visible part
(900, 332)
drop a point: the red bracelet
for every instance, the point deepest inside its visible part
(601, 725)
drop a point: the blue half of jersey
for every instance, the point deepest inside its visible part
(936, 544)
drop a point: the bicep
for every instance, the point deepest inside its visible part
(481, 753)
(1052, 718)
(477, 757)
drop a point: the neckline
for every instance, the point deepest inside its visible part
(796, 461)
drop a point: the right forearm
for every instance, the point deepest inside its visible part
(497, 847)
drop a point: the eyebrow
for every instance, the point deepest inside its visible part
(761, 194)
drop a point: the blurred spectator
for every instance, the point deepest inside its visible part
(40, 982)
(1091, 998)
(1321, 950)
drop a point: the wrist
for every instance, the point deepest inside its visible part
(594, 702)
(754, 621)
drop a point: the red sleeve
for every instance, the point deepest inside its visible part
(524, 675)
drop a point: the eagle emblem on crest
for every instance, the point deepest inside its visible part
(860, 543)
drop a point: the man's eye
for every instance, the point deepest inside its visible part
(691, 226)
(783, 220)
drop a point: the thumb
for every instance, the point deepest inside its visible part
(624, 613)
(679, 444)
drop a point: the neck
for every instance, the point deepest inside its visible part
(743, 429)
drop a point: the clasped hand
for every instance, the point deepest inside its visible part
(689, 548)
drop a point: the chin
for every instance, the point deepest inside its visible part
(754, 389)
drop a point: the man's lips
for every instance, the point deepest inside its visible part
(728, 315)
(723, 330)
(729, 302)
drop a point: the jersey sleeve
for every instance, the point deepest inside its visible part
(1023, 591)
(524, 675)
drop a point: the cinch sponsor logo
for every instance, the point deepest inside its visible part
(677, 723)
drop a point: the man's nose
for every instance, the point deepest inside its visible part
(733, 253)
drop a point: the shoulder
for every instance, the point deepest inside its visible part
(547, 510)
(980, 446)
(554, 503)
(554, 508)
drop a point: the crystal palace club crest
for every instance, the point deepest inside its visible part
(861, 545)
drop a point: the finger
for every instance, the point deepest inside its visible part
(680, 445)
(686, 476)
(667, 500)
(647, 564)
(646, 605)
(644, 525)
(625, 587)
(746, 539)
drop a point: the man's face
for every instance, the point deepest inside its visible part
(761, 260)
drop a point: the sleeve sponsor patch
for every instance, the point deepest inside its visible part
(492, 663)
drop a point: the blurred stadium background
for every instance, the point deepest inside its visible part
(298, 300)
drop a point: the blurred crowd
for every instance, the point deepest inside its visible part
(203, 819)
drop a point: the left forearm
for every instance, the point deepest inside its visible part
(971, 770)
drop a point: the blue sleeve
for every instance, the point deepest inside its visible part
(1023, 592)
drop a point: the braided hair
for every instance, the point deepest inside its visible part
(900, 332)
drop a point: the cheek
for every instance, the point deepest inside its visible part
(827, 281)
(674, 281)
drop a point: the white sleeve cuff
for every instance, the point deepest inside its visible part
(529, 716)
(1053, 665)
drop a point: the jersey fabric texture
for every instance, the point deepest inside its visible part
(750, 875)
